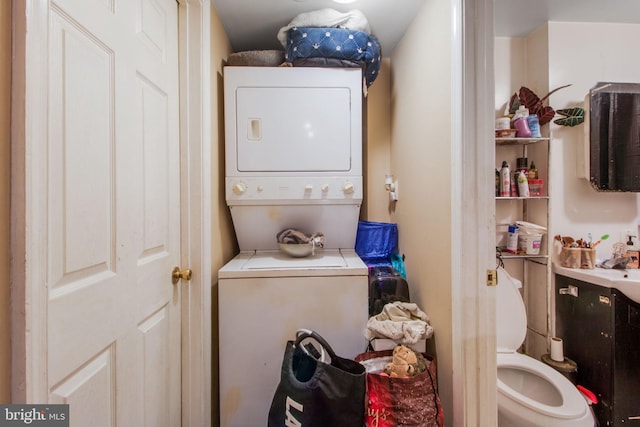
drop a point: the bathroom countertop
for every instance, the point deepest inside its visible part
(626, 281)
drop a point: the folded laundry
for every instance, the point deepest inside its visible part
(402, 322)
(352, 20)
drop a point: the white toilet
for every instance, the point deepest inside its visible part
(530, 393)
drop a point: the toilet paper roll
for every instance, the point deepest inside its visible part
(557, 353)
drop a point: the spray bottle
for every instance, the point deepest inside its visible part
(505, 180)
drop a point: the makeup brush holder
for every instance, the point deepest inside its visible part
(578, 258)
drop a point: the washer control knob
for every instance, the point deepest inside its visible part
(239, 188)
(348, 187)
(308, 188)
(260, 188)
(325, 188)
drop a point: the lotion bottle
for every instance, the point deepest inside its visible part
(534, 125)
(523, 185)
(512, 239)
(521, 124)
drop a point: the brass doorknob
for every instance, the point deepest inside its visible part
(177, 274)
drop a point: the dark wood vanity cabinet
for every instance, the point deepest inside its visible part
(600, 328)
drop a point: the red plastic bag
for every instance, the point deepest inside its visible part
(393, 401)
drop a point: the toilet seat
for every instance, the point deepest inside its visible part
(572, 404)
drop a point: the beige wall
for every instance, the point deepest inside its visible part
(223, 244)
(5, 98)
(603, 55)
(421, 158)
(377, 149)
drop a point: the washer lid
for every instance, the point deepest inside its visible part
(511, 316)
(325, 263)
(270, 260)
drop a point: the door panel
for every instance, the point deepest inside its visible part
(154, 115)
(80, 159)
(96, 378)
(113, 212)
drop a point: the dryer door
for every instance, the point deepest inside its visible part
(294, 129)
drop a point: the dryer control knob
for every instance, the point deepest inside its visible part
(348, 187)
(325, 188)
(308, 188)
(239, 188)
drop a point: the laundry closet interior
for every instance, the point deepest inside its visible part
(406, 133)
(409, 132)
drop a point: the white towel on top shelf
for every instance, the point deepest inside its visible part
(352, 20)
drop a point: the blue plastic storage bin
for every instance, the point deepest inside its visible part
(376, 242)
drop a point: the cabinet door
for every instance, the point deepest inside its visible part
(585, 325)
(626, 377)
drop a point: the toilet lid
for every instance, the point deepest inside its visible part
(511, 317)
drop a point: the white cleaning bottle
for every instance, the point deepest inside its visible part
(523, 185)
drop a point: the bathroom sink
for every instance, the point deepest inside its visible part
(626, 281)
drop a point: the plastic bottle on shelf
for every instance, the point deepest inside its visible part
(534, 125)
(512, 239)
(532, 173)
(520, 122)
(522, 164)
(632, 253)
(523, 185)
(505, 180)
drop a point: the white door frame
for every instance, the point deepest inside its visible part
(29, 140)
(195, 145)
(473, 210)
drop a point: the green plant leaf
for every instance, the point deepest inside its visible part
(571, 116)
(535, 105)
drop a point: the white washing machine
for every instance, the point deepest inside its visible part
(293, 160)
(264, 297)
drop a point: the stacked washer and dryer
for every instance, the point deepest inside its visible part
(293, 160)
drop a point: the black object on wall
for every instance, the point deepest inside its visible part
(614, 134)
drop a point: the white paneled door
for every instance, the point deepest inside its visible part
(113, 196)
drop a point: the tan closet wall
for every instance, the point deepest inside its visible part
(5, 169)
